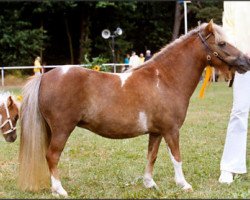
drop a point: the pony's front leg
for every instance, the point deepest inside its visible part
(153, 146)
(172, 140)
(53, 155)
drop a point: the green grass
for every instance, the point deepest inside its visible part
(96, 167)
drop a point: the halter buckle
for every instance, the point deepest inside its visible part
(215, 54)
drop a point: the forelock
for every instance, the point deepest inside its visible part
(4, 97)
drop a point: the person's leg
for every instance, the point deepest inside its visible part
(234, 154)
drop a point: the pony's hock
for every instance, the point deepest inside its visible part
(152, 98)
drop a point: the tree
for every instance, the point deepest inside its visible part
(177, 19)
(204, 11)
(198, 10)
(64, 32)
(19, 42)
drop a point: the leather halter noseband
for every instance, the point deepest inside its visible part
(12, 128)
(214, 53)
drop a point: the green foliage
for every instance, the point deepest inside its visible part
(207, 10)
(104, 4)
(46, 6)
(31, 28)
(19, 42)
(96, 63)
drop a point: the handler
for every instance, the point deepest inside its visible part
(236, 21)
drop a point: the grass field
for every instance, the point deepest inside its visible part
(96, 167)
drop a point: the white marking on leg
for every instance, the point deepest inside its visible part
(179, 177)
(143, 121)
(65, 68)
(1, 119)
(148, 181)
(57, 188)
(123, 77)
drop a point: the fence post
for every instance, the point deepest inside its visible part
(2, 75)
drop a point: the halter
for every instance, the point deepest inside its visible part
(214, 53)
(12, 128)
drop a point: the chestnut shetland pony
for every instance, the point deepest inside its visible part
(9, 113)
(151, 99)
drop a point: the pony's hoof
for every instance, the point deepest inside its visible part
(149, 183)
(58, 193)
(188, 188)
(54, 194)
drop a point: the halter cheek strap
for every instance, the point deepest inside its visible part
(214, 53)
(12, 128)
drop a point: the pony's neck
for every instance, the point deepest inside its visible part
(182, 65)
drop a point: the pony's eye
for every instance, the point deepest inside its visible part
(222, 44)
(16, 118)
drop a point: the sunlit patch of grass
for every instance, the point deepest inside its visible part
(96, 167)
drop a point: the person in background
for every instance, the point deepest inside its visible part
(236, 22)
(134, 60)
(148, 55)
(142, 58)
(126, 61)
(38, 67)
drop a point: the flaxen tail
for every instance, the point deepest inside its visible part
(33, 170)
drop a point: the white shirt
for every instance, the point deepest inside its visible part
(134, 61)
(236, 22)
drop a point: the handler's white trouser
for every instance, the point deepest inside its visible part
(234, 154)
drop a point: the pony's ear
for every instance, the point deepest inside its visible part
(209, 28)
(18, 104)
(9, 101)
(17, 100)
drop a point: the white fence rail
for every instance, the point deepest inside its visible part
(114, 65)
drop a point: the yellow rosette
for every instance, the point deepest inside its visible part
(208, 74)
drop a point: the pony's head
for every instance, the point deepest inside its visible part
(220, 53)
(9, 114)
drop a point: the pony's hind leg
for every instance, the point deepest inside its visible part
(153, 146)
(55, 149)
(172, 141)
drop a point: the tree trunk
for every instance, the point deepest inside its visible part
(70, 41)
(177, 20)
(84, 40)
(41, 50)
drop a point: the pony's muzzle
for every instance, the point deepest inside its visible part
(242, 64)
(11, 137)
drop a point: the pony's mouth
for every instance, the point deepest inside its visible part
(242, 64)
(241, 69)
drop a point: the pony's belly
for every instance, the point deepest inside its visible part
(116, 135)
(116, 123)
(110, 131)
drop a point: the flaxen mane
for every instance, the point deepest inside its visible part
(218, 33)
